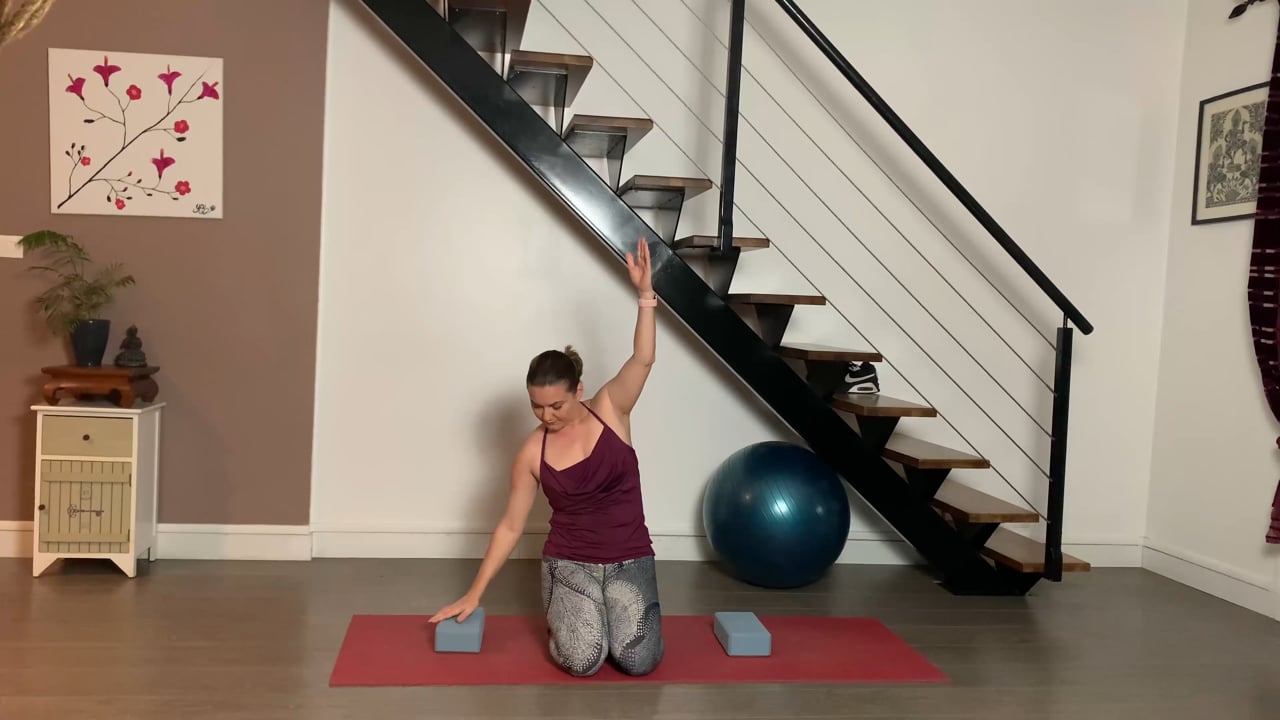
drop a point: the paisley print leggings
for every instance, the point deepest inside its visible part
(599, 611)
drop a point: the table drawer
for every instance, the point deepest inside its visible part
(87, 436)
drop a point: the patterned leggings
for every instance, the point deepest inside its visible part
(599, 611)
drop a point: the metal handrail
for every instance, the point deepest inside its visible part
(935, 165)
(1062, 376)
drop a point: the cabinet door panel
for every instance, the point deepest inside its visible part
(85, 502)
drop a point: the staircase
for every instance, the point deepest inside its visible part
(957, 529)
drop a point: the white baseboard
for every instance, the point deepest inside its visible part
(299, 542)
(15, 538)
(1249, 591)
(866, 547)
(405, 544)
(875, 548)
(233, 542)
(1106, 554)
(194, 542)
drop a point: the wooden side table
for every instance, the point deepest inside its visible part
(120, 385)
(96, 483)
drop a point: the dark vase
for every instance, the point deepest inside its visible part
(89, 342)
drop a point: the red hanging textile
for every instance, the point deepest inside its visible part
(1264, 268)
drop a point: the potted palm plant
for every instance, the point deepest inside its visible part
(71, 306)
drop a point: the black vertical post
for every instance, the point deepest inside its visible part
(729, 155)
(1058, 454)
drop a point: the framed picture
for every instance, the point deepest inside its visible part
(135, 134)
(1229, 155)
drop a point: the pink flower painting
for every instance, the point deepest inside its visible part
(135, 134)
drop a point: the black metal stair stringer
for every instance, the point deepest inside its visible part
(528, 136)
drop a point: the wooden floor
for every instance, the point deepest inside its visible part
(199, 640)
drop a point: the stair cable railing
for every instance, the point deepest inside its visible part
(935, 165)
(840, 168)
(1071, 314)
(969, 443)
(905, 195)
(963, 390)
(731, 121)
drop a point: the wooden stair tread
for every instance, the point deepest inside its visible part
(774, 299)
(598, 135)
(478, 23)
(616, 124)
(928, 456)
(827, 353)
(505, 5)
(877, 405)
(665, 182)
(971, 505)
(533, 75)
(701, 242)
(1021, 553)
(532, 60)
(661, 191)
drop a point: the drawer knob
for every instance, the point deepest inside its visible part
(86, 437)
(41, 506)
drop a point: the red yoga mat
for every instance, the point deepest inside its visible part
(384, 650)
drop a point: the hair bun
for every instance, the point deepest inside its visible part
(575, 358)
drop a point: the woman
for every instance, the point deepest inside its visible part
(599, 590)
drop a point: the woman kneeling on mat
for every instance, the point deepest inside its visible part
(599, 590)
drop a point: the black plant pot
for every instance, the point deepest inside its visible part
(89, 342)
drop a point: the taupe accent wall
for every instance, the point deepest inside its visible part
(226, 308)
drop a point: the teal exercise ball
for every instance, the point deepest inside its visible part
(776, 515)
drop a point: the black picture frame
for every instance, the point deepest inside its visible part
(1240, 105)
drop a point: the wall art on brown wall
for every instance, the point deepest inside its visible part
(135, 134)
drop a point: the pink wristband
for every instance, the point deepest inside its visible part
(649, 302)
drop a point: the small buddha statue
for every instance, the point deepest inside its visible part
(131, 354)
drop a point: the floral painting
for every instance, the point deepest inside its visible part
(1229, 155)
(135, 134)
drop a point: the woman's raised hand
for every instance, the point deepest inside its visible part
(638, 268)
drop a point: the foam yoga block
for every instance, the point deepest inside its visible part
(742, 634)
(460, 637)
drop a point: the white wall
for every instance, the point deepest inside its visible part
(444, 270)
(1214, 459)
(445, 267)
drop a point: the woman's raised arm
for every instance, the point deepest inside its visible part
(624, 388)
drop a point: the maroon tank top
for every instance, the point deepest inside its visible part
(597, 515)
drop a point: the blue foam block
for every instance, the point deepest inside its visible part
(742, 634)
(460, 637)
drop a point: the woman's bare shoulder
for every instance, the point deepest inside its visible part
(530, 450)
